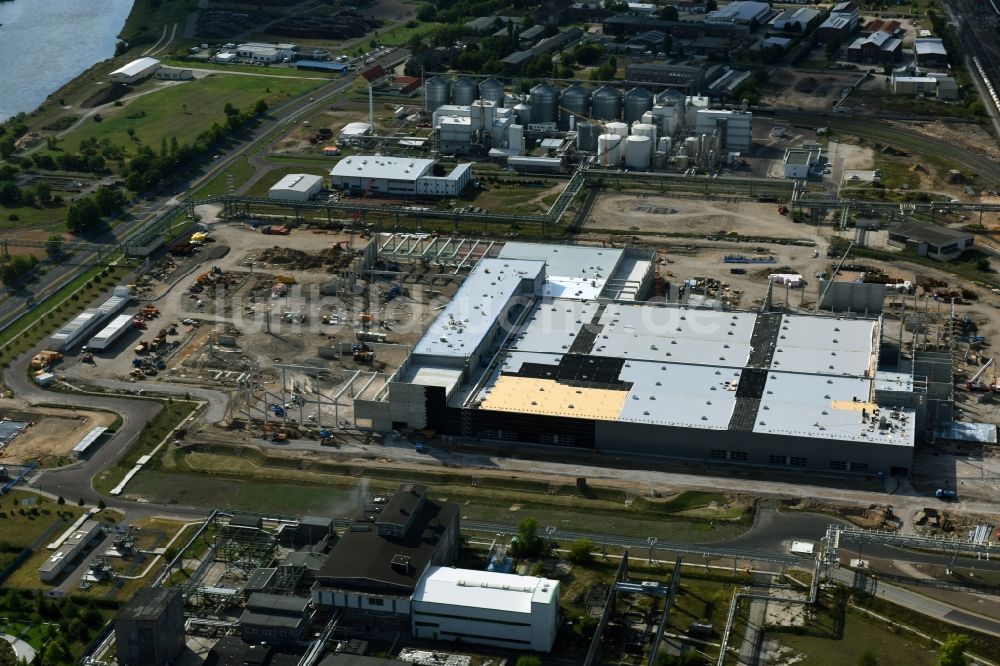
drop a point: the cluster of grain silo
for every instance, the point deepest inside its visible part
(637, 128)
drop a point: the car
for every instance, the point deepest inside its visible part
(420, 447)
(188, 322)
(946, 494)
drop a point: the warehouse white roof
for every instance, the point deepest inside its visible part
(485, 296)
(136, 67)
(355, 129)
(298, 182)
(573, 271)
(828, 407)
(823, 346)
(377, 166)
(470, 588)
(929, 45)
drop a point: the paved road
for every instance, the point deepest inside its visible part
(74, 482)
(917, 602)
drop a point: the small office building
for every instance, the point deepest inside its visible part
(296, 187)
(931, 240)
(486, 608)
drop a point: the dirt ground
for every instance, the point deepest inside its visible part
(806, 90)
(666, 215)
(53, 433)
(271, 331)
(968, 135)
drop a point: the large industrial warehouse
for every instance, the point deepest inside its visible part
(561, 339)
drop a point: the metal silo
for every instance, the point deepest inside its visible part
(491, 90)
(606, 103)
(464, 92)
(544, 104)
(522, 112)
(575, 101)
(437, 92)
(637, 102)
(586, 136)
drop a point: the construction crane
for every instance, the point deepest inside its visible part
(975, 382)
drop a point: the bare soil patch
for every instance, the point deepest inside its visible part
(53, 433)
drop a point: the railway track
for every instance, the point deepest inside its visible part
(913, 141)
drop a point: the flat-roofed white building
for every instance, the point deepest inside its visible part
(397, 176)
(296, 187)
(134, 71)
(799, 162)
(556, 345)
(486, 608)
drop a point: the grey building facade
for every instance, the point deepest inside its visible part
(149, 629)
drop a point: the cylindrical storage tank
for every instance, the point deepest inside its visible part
(616, 128)
(523, 112)
(664, 144)
(647, 130)
(637, 152)
(637, 102)
(491, 90)
(609, 150)
(606, 103)
(681, 162)
(644, 129)
(691, 146)
(648, 117)
(575, 101)
(586, 136)
(544, 104)
(464, 91)
(437, 92)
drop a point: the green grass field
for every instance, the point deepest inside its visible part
(21, 524)
(275, 72)
(241, 170)
(169, 417)
(185, 110)
(821, 646)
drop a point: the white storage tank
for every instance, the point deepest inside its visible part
(609, 150)
(648, 117)
(681, 162)
(664, 144)
(648, 131)
(616, 128)
(637, 152)
(691, 146)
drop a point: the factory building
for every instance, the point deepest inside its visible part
(397, 176)
(375, 567)
(686, 77)
(149, 628)
(480, 124)
(875, 48)
(930, 52)
(742, 12)
(296, 187)
(486, 608)
(795, 19)
(556, 345)
(734, 127)
(135, 71)
(267, 53)
(275, 618)
(931, 240)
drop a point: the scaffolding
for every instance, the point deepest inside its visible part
(244, 548)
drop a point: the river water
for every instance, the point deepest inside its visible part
(44, 44)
